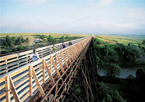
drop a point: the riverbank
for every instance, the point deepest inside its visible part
(126, 70)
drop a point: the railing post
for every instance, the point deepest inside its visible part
(37, 82)
(64, 59)
(49, 73)
(43, 72)
(15, 95)
(30, 80)
(57, 71)
(7, 83)
(57, 58)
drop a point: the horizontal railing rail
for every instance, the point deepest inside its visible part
(22, 83)
(13, 61)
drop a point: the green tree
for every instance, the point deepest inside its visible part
(108, 98)
(19, 41)
(143, 42)
(66, 37)
(23, 40)
(27, 40)
(103, 89)
(62, 39)
(50, 39)
(130, 79)
(113, 70)
(117, 98)
(13, 41)
(8, 40)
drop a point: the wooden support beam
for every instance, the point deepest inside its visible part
(43, 70)
(60, 63)
(57, 71)
(71, 55)
(30, 80)
(68, 56)
(64, 58)
(49, 73)
(37, 82)
(7, 83)
(12, 87)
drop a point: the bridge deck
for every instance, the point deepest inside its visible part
(14, 61)
(22, 83)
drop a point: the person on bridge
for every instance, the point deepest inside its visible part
(70, 43)
(34, 56)
(63, 45)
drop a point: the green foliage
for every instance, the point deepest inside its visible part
(8, 40)
(118, 53)
(108, 98)
(23, 40)
(42, 36)
(103, 89)
(51, 39)
(116, 97)
(140, 74)
(107, 94)
(113, 71)
(98, 41)
(20, 47)
(62, 39)
(13, 41)
(27, 40)
(66, 37)
(19, 41)
(143, 42)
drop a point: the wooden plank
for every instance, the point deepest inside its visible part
(15, 95)
(37, 82)
(24, 92)
(23, 81)
(19, 77)
(7, 82)
(15, 73)
(57, 72)
(49, 73)
(3, 94)
(61, 67)
(22, 87)
(25, 97)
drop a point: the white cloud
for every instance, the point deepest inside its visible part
(106, 2)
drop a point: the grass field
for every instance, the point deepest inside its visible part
(124, 39)
(33, 34)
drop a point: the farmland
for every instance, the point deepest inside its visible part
(123, 39)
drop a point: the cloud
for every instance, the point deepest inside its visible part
(106, 2)
(73, 19)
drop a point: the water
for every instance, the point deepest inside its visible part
(125, 71)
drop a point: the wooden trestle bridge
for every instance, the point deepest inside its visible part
(52, 78)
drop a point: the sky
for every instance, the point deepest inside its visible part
(73, 16)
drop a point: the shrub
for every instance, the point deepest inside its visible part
(27, 40)
(13, 41)
(8, 40)
(113, 71)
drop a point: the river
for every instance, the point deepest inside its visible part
(125, 71)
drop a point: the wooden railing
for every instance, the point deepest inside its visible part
(11, 62)
(22, 83)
